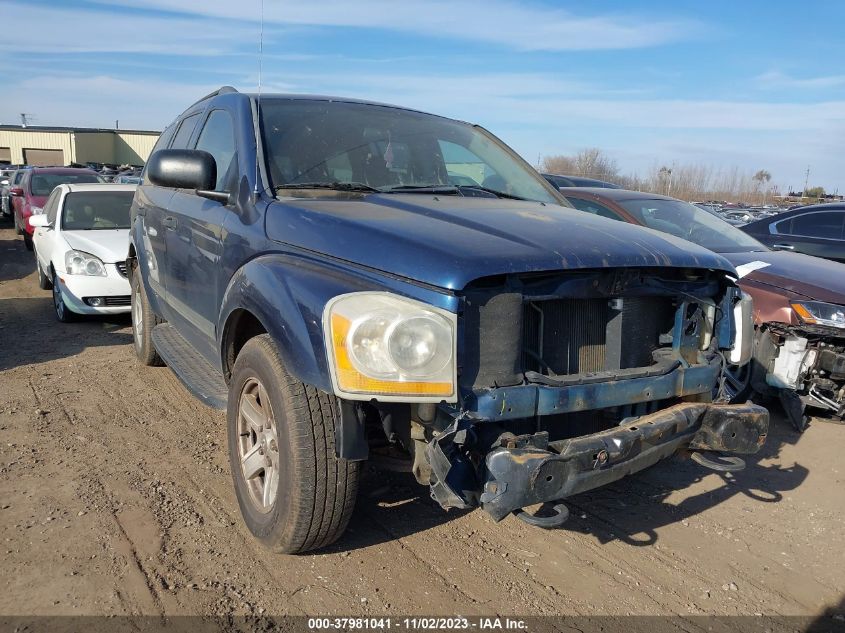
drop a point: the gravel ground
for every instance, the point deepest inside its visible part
(116, 500)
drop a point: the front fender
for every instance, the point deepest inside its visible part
(287, 293)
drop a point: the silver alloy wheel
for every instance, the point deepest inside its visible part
(258, 450)
(137, 318)
(58, 302)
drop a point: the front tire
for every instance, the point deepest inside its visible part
(295, 495)
(143, 322)
(63, 313)
(43, 280)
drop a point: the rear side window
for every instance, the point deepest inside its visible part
(827, 224)
(183, 135)
(218, 139)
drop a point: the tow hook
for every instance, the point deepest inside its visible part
(726, 463)
(560, 516)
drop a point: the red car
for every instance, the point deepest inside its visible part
(30, 194)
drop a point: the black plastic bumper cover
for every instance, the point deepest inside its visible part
(526, 472)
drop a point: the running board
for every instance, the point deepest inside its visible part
(190, 367)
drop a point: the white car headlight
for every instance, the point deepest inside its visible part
(818, 313)
(82, 263)
(391, 348)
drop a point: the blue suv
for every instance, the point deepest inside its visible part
(353, 281)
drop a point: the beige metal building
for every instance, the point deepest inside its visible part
(36, 145)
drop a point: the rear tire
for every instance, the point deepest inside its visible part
(18, 229)
(298, 496)
(143, 322)
(27, 241)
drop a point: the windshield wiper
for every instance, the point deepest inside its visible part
(448, 189)
(495, 192)
(334, 186)
(422, 189)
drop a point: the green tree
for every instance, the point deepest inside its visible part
(814, 192)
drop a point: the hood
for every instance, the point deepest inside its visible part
(798, 274)
(448, 241)
(110, 245)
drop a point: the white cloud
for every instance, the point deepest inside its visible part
(96, 101)
(507, 23)
(776, 79)
(36, 29)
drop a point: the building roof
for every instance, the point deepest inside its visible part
(47, 128)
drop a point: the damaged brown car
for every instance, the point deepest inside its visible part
(799, 302)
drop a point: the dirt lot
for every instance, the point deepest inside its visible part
(116, 499)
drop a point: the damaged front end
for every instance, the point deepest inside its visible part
(571, 381)
(805, 366)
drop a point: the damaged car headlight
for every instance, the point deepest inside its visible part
(82, 263)
(818, 313)
(391, 348)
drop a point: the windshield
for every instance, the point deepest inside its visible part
(43, 184)
(687, 221)
(323, 142)
(93, 210)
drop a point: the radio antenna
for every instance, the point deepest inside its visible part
(258, 106)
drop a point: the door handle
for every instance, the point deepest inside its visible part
(783, 247)
(170, 222)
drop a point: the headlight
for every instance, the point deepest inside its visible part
(81, 263)
(36, 210)
(818, 313)
(391, 348)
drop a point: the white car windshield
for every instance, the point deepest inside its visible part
(93, 210)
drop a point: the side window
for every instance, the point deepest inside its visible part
(827, 224)
(51, 206)
(593, 207)
(218, 139)
(183, 134)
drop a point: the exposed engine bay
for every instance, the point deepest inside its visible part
(805, 366)
(571, 381)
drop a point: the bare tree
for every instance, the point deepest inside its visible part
(762, 177)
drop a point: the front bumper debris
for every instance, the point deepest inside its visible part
(528, 469)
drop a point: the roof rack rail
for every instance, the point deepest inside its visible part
(220, 91)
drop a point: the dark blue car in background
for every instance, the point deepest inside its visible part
(350, 280)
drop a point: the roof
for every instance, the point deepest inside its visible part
(100, 186)
(47, 128)
(616, 194)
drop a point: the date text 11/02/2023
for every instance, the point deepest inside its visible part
(417, 623)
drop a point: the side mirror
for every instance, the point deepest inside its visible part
(182, 169)
(16, 191)
(39, 221)
(4, 182)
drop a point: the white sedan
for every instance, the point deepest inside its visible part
(81, 240)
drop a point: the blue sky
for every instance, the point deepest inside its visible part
(756, 85)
